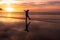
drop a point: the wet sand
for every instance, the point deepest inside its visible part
(42, 29)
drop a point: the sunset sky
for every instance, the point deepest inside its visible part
(32, 5)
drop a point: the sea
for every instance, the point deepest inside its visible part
(42, 26)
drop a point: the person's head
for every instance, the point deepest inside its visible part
(27, 10)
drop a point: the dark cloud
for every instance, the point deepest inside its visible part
(54, 3)
(50, 3)
(42, 4)
(29, 4)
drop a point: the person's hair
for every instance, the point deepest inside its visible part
(27, 10)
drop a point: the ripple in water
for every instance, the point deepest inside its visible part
(10, 20)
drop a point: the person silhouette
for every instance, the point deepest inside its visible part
(27, 16)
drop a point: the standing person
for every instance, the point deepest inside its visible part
(27, 14)
(26, 21)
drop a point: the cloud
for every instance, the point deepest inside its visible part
(39, 6)
(42, 4)
(53, 3)
(29, 4)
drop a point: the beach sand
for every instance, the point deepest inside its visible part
(42, 27)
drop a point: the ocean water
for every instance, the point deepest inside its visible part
(43, 26)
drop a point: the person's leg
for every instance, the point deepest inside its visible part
(29, 18)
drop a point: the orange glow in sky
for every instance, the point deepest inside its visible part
(33, 5)
(9, 9)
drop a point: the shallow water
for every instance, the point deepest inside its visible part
(42, 27)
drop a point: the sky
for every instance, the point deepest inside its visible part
(32, 5)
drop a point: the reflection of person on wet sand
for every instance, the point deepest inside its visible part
(27, 25)
(26, 11)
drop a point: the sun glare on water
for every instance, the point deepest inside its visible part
(9, 9)
(9, 15)
(9, 20)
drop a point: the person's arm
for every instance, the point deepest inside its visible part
(25, 10)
